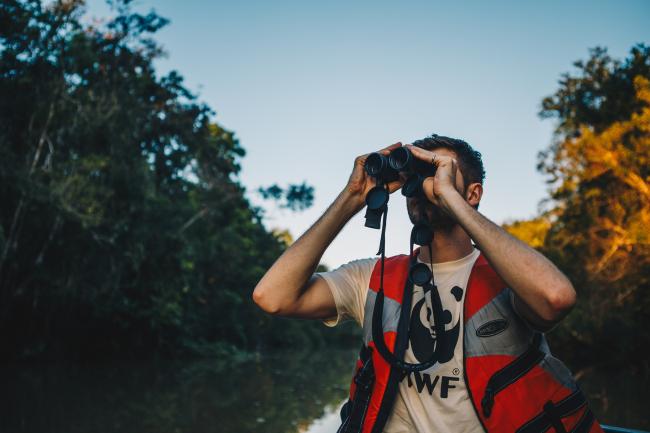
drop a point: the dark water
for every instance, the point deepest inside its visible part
(285, 392)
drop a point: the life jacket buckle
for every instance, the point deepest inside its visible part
(365, 377)
(554, 417)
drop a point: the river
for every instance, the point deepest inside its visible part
(284, 392)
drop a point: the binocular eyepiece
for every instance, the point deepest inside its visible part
(387, 168)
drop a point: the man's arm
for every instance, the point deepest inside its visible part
(544, 295)
(289, 287)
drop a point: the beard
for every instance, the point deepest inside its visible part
(422, 211)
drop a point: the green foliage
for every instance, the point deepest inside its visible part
(123, 228)
(295, 197)
(533, 231)
(599, 171)
(600, 94)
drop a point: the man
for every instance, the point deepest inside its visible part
(491, 372)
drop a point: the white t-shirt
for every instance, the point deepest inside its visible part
(436, 399)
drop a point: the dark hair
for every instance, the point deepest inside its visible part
(469, 160)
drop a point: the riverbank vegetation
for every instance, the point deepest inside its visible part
(125, 232)
(596, 221)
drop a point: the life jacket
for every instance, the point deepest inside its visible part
(513, 381)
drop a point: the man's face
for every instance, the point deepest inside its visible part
(421, 210)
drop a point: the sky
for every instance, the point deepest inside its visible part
(308, 86)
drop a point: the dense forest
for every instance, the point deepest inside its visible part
(124, 230)
(596, 219)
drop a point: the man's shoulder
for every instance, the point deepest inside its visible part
(354, 268)
(363, 261)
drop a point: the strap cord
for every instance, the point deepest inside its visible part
(377, 315)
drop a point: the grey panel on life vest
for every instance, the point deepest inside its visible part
(512, 340)
(558, 370)
(390, 318)
(555, 367)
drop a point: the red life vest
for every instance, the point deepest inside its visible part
(514, 382)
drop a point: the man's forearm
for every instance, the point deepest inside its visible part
(538, 283)
(282, 283)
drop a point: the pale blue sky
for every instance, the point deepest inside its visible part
(307, 86)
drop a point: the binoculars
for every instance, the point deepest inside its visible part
(386, 169)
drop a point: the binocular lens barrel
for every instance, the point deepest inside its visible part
(400, 159)
(412, 187)
(387, 168)
(375, 164)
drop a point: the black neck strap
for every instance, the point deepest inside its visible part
(377, 315)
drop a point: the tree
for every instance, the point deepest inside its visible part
(599, 175)
(123, 227)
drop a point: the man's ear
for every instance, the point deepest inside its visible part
(473, 194)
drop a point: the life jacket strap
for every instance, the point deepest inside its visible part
(364, 353)
(510, 373)
(355, 410)
(552, 414)
(584, 423)
(396, 361)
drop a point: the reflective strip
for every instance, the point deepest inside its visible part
(390, 316)
(557, 370)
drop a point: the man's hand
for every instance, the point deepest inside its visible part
(360, 182)
(448, 180)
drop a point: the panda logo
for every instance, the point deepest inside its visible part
(422, 335)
